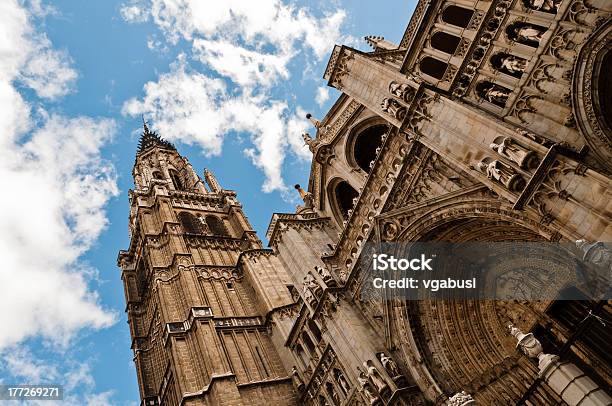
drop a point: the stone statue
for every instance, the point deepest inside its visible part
(461, 399)
(332, 393)
(326, 276)
(311, 142)
(374, 376)
(312, 283)
(308, 296)
(389, 365)
(516, 153)
(297, 380)
(502, 173)
(513, 64)
(323, 401)
(548, 6)
(306, 196)
(366, 388)
(344, 385)
(528, 33)
(393, 108)
(401, 90)
(497, 95)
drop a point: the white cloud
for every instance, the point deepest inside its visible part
(24, 364)
(134, 12)
(55, 187)
(193, 108)
(244, 67)
(252, 44)
(322, 96)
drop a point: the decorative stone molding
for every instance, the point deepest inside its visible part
(461, 399)
(480, 47)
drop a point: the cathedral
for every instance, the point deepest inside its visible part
(490, 121)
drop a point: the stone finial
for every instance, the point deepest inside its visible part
(311, 142)
(379, 43)
(211, 180)
(531, 346)
(461, 399)
(314, 121)
(306, 196)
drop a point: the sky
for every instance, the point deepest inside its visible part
(228, 82)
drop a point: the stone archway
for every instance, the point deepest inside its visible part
(591, 97)
(450, 346)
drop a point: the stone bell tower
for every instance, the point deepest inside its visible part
(199, 289)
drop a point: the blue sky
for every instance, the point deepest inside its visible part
(229, 89)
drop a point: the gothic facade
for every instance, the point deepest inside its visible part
(490, 121)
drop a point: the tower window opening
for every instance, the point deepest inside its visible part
(345, 194)
(190, 223)
(445, 42)
(457, 16)
(433, 67)
(216, 226)
(366, 143)
(176, 179)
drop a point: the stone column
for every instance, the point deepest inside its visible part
(564, 377)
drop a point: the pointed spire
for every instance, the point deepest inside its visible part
(150, 139)
(212, 181)
(379, 43)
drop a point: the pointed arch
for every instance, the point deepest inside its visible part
(190, 223)
(216, 226)
(176, 179)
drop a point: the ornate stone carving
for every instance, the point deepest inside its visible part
(482, 43)
(393, 108)
(493, 93)
(326, 276)
(530, 346)
(502, 173)
(461, 399)
(518, 154)
(389, 365)
(367, 389)
(297, 380)
(510, 64)
(525, 33)
(402, 90)
(374, 376)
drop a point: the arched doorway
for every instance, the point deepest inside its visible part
(454, 345)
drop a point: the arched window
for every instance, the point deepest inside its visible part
(315, 330)
(190, 223)
(308, 342)
(366, 143)
(525, 33)
(433, 67)
(176, 179)
(300, 354)
(509, 64)
(216, 226)
(344, 194)
(458, 16)
(445, 42)
(158, 175)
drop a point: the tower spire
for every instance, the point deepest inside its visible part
(149, 139)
